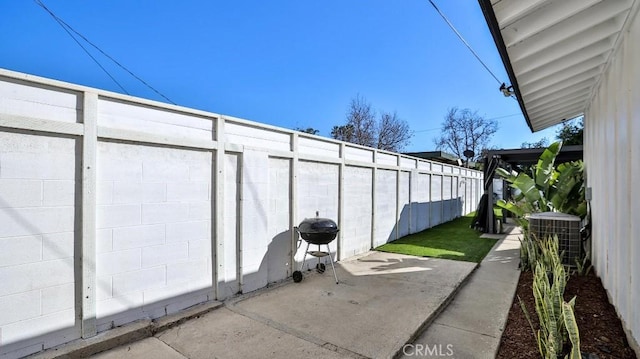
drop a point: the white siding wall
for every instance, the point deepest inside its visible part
(189, 206)
(612, 150)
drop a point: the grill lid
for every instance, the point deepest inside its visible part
(318, 225)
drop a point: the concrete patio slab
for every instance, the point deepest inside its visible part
(225, 334)
(382, 301)
(149, 348)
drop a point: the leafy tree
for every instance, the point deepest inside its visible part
(310, 130)
(363, 127)
(570, 133)
(343, 133)
(465, 130)
(543, 143)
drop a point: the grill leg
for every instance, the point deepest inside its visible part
(304, 257)
(331, 261)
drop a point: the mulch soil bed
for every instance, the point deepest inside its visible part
(600, 330)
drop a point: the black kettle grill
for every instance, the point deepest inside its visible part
(318, 231)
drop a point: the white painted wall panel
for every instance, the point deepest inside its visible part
(317, 192)
(24, 99)
(385, 212)
(421, 203)
(36, 238)
(447, 199)
(404, 204)
(612, 149)
(279, 231)
(436, 200)
(154, 211)
(150, 235)
(255, 137)
(356, 229)
(157, 121)
(228, 279)
(358, 154)
(424, 165)
(386, 159)
(408, 163)
(313, 146)
(255, 216)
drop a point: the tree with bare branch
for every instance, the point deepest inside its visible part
(465, 130)
(363, 127)
(393, 133)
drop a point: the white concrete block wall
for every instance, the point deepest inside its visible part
(387, 159)
(255, 137)
(356, 229)
(228, 278)
(385, 211)
(317, 192)
(404, 204)
(420, 202)
(436, 207)
(37, 222)
(447, 199)
(20, 98)
(408, 162)
(612, 149)
(155, 249)
(424, 165)
(254, 217)
(154, 209)
(279, 231)
(313, 146)
(358, 154)
(134, 117)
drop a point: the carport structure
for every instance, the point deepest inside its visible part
(567, 58)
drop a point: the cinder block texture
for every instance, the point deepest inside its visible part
(155, 214)
(318, 191)
(255, 204)
(356, 229)
(386, 207)
(146, 229)
(37, 220)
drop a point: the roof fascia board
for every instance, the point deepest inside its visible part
(494, 28)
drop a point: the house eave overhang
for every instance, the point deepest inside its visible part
(556, 51)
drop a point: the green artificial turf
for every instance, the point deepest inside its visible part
(451, 240)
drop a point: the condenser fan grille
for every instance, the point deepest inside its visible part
(565, 226)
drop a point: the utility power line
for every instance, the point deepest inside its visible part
(493, 118)
(68, 29)
(464, 41)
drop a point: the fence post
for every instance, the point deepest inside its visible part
(341, 209)
(373, 198)
(218, 178)
(293, 199)
(88, 234)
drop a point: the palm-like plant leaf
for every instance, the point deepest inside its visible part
(545, 167)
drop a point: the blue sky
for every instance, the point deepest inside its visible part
(289, 63)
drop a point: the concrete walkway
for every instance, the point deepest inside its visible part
(472, 325)
(383, 301)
